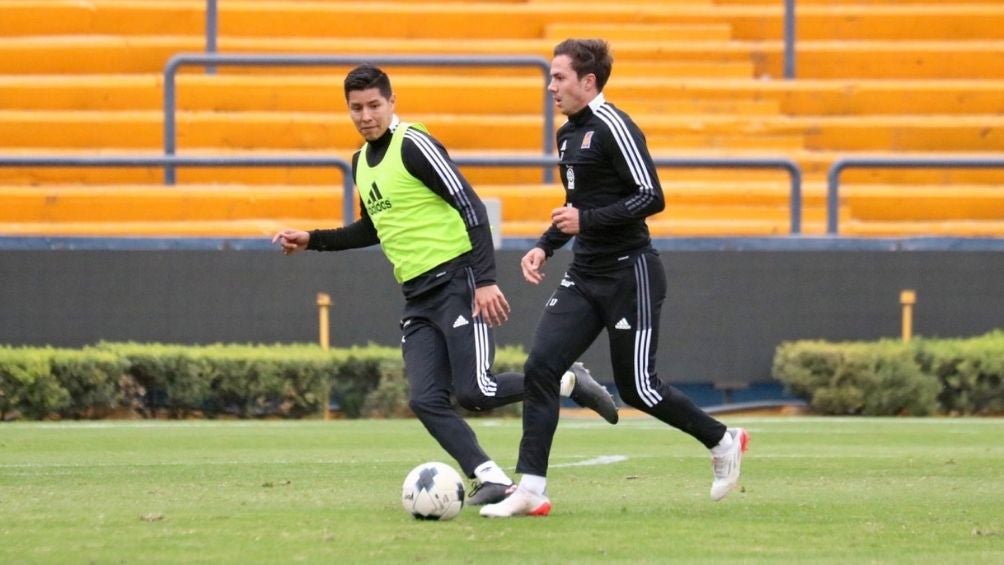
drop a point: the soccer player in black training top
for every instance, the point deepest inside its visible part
(615, 282)
(434, 230)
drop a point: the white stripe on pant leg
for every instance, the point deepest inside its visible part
(643, 335)
(642, 340)
(486, 384)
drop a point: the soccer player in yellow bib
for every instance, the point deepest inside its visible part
(434, 230)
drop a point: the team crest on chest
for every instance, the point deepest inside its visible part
(587, 139)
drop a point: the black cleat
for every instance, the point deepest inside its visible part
(489, 493)
(590, 394)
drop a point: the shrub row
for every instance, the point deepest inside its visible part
(175, 381)
(922, 377)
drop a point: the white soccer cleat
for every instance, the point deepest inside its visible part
(520, 503)
(726, 467)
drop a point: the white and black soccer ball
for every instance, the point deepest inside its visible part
(433, 491)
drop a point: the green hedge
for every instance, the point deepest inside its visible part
(970, 372)
(175, 381)
(39, 382)
(887, 377)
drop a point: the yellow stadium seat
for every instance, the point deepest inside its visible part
(702, 78)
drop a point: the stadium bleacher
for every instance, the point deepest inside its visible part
(704, 77)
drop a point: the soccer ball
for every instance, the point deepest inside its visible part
(433, 491)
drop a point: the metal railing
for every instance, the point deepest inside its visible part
(833, 175)
(348, 188)
(180, 60)
(137, 161)
(212, 31)
(788, 165)
(789, 39)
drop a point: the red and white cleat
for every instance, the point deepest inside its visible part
(726, 467)
(520, 503)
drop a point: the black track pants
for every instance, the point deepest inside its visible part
(447, 351)
(626, 301)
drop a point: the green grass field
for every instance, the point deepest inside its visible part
(814, 490)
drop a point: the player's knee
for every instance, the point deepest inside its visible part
(471, 400)
(418, 406)
(536, 367)
(631, 398)
(423, 405)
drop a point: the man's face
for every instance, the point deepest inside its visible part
(570, 91)
(370, 112)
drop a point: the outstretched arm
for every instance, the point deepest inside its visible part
(360, 233)
(291, 241)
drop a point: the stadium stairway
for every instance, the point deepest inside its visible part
(875, 78)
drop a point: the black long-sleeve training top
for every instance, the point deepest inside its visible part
(609, 176)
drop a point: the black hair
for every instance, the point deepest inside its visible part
(365, 77)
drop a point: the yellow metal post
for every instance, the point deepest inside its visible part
(323, 304)
(907, 298)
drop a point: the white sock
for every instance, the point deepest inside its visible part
(567, 384)
(533, 483)
(723, 446)
(489, 472)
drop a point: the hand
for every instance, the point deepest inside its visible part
(291, 241)
(566, 219)
(490, 304)
(531, 263)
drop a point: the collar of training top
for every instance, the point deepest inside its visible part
(584, 114)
